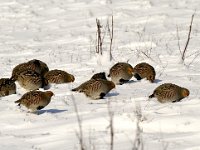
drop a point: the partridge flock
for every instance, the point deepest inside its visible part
(35, 74)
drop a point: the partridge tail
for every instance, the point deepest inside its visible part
(75, 89)
(151, 96)
(18, 101)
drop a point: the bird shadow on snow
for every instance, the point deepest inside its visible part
(157, 80)
(52, 111)
(130, 81)
(111, 94)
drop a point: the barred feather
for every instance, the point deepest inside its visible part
(144, 70)
(58, 76)
(121, 72)
(7, 87)
(35, 100)
(169, 93)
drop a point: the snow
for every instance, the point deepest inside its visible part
(62, 33)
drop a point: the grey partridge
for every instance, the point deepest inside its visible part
(7, 87)
(35, 100)
(58, 77)
(121, 73)
(30, 80)
(95, 88)
(144, 70)
(169, 92)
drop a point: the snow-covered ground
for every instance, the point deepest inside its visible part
(62, 33)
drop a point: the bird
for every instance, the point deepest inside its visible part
(34, 65)
(95, 88)
(144, 70)
(169, 92)
(100, 75)
(42, 67)
(58, 77)
(7, 87)
(35, 100)
(30, 80)
(121, 73)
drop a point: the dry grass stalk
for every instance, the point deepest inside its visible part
(111, 115)
(80, 133)
(99, 38)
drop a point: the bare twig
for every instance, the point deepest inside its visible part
(188, 39)
(80, 134)
(177, 34)
(197, 55)
(111, 37)
(138, 142)
(99, 38)
(111, 115)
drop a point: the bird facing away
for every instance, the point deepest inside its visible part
(35, 100)
(30, 80)
(34, 65)
(121, 73)
(169, 92)
(58, 77)
(144, 70)
(100, 75)
(42, 67)
(95, 89)
(7, 87)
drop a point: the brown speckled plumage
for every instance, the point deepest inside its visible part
(58, 77)
(169, 92)
(144, 70)
(30, 80)
(35, 100)
(100, 75)
(95, 89)
(34, 65)
(7, 87)
(121, 73)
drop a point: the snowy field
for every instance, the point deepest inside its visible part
(62, 33)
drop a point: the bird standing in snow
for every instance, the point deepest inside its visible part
(7, 87)
(95, 88)
(121, 73)
(58, 77)
(144, 70)
(169, 92)
(35, 100)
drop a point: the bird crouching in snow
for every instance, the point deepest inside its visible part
(100, 75)
(58, 77)
(121, 73)
(169, 92)
(34, 65)
(144, 70)
(30, 80)
(35, 100)
(95, 88)
(7, 87)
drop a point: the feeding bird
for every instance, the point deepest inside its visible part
(30, 80)
(100, 75)
(7, 87)
(34, 65)
(35, 100)
(169, 92)
(58, 77)
(95, 88)
(121, 73)
(144, 70)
